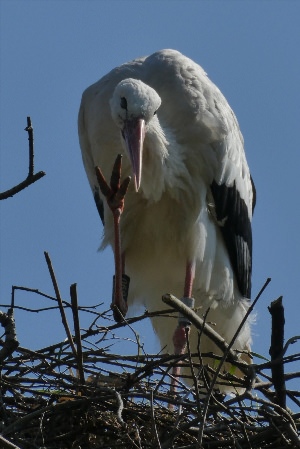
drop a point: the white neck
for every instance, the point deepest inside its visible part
(161, 172)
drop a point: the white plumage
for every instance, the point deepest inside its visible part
(192, 196)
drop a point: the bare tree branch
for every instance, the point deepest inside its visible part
(5, 444)
(74, 302)
(31, 177)
(60, 303)
(276, 349)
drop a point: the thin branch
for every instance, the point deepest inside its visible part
(60, 303)
(31, 177)
(197, 394)
(74, 302)
(120, 406)
(36, 291)
(5, 444)
(18, 188)
(29, 129)
(276, 349)
(154, 429)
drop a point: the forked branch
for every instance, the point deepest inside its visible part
(31, 177)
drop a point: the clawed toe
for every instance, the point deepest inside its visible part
(116, 191)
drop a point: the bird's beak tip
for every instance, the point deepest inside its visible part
(137, 184)
(134, 133)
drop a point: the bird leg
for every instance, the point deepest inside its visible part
(115, 196)
(189, 279)
(181, 332)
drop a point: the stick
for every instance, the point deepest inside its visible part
(276, 349)
(60, 304)
(31, 177)
(74, 303)
(5, 444)
(29, 129)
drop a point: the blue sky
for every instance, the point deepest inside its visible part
(52, 50)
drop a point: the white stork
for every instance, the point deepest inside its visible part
(186, 225)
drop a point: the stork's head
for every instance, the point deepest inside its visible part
(133, 106)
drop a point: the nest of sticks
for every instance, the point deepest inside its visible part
(79, 394)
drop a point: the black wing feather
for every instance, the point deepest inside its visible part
(99, 204)
(233, 218)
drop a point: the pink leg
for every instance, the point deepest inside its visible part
(115, 195)
(189, 279)
(180, 336)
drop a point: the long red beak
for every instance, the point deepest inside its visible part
(134, 134)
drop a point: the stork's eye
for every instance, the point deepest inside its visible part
(155, 112)
(123, 103)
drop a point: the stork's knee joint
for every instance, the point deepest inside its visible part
(182, 319)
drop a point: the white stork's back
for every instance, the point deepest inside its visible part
(196, 195)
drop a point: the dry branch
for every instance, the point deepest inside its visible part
(60, 303)
(74, 304)
(31, 177)
(277, 339)
(123, 399)
(5, 444)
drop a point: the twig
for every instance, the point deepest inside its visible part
(26, 183)
(36, 291)
(193, 375)
(154, 429)
(29, 129)
(290, 341)
(60, 303)
(276, 349)
(28, 309)
(120, 406)
(31, 177)
(166, 312)
(5, 444)
(74, 303)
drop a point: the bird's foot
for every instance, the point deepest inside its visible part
(116, 191)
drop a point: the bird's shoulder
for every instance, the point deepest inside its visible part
(191, 103)
(199, 115)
